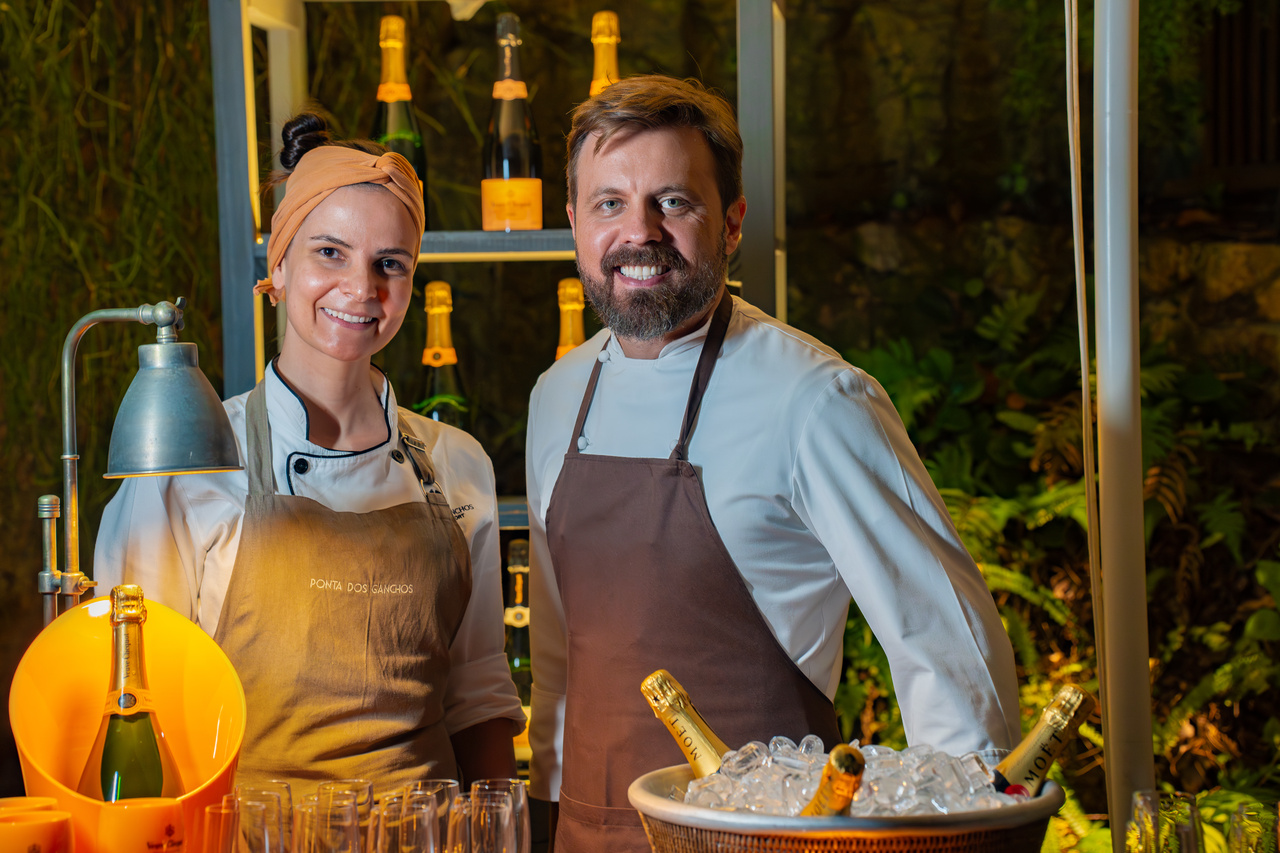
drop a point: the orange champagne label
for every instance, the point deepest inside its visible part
(509, 90)
(439, 356)
(511, 205)
(390, 93)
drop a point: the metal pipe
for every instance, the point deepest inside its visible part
(1122, 631)
(168, 316)
(48, 510)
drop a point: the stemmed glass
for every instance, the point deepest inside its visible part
(1252, 828)
(1164, 823)
(362, 791)
(419, 827)
(519, 792)
(328, 825)
(492, 822)
(262, 792)
(442, 791)
(221, 827)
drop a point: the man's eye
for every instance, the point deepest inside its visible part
(672, 203)
(610, 204)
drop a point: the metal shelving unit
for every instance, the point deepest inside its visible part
(761, 110)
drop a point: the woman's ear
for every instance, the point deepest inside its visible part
(276, 293)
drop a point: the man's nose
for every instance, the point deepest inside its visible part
(642, 224)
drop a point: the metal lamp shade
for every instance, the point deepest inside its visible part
(171, 420)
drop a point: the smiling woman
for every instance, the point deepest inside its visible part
(351, 571)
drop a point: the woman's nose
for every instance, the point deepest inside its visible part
(360, 284)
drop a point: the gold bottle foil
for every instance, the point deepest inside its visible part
(841, 778)
(671, 704)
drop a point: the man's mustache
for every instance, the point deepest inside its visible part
(653, 256)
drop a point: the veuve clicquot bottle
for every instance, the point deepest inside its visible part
(572, 302)
(604, 38)
(841, 778)
(671, 705)
(1023, 770)
(130, 757)
(516, 617)
(445, 401)
(511, 191)
(395, 125)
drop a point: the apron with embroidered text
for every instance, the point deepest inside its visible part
(339, 626)
(648, 584)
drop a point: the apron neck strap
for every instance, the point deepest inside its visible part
(419, 457)
(706, 364)
(262, 478)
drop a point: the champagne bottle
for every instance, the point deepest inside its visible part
(516, 617)
(395, 125)
(572, 303)
(671, 704)
(445, 401)
(1023, 770)
(841, 778)
(511, 191)
(130, 757)
(604, 38)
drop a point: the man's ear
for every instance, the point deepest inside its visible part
(733, 225)
(569, 210)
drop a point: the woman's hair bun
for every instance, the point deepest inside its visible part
(302, 133)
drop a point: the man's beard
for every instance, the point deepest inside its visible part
(645, 313)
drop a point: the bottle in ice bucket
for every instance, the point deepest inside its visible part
(1023, 771)
(841, 778)
(130, 757)
(671, 704)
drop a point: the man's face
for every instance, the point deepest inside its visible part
(652, 241)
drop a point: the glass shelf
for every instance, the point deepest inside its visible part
(549, 244)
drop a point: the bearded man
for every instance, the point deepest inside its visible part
(708, 486)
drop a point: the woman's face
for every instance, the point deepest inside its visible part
(348, 275)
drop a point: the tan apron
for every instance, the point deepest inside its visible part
(647, 583)
(339, 625)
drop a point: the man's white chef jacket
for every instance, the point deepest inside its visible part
(816, 491)
(177, 537)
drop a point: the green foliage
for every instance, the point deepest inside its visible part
(992, 402)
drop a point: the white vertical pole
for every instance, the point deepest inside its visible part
(1122, 633)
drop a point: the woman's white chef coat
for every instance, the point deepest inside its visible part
(177, 537)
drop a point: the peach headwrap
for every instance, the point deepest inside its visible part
(325, 169)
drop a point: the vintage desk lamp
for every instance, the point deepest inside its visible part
(170, 422)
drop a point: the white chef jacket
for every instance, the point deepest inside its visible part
(177, 537)
(817, 492)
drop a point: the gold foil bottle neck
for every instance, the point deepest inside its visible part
(841, 778)
(663, 691)
(391, 31)
(127, 604)
(569, 294)
(439, 297)
(604, 28)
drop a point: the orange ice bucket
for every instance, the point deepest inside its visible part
(57, 698)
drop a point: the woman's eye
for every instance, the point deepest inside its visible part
(392, 265)
(328, 252)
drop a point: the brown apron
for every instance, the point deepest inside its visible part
(647, 584)
(339, 625)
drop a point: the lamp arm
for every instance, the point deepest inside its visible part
(168, 317)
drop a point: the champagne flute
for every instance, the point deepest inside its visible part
(362, 790)
(326, 827)
(284, 795)
(458, 834)
(442, 790)
(221, 827)
(419, 828)
(271, 825)
(519, 791)
(386, 824)
(492, 823)
(1252, 828)
(1166, 823)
